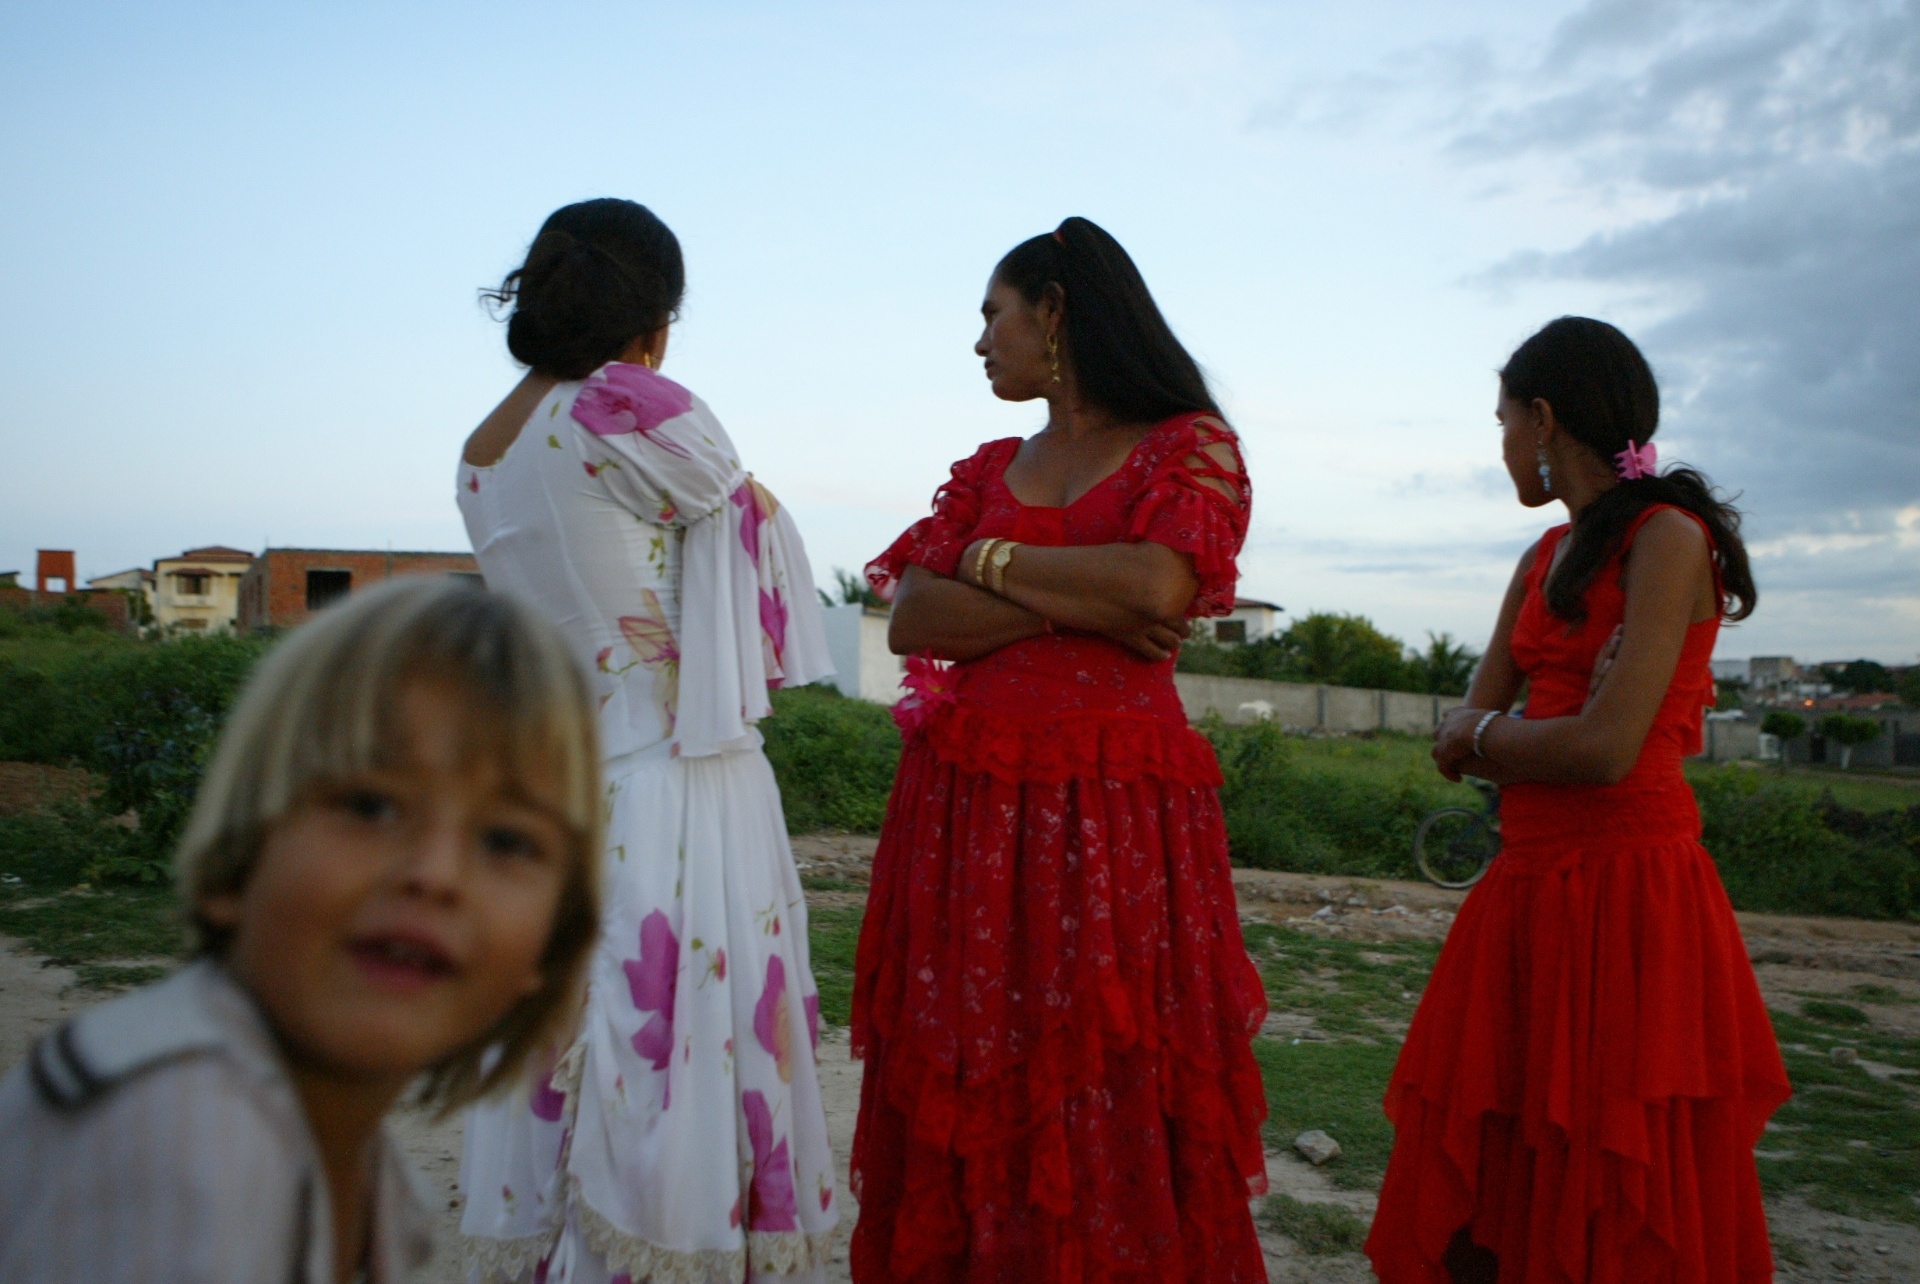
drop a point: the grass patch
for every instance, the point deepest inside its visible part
(1833, 1013)
(832, 937)
(1361, 995)
(1849, 1143)
(834, 758)
(1317, 1228)
(1335, 1087)
(91, 932)
(1874, 992)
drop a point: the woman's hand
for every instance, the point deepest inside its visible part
(1453, 741)
(1155, 640)
(1603, 664)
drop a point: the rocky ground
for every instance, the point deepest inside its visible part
(1794, 957)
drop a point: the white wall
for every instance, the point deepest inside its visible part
(863, 667)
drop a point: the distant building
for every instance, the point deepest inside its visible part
(199, 590)
(1765, 671)
(1251, 621)
(1731, 671)
(135, 585)
(285, 585)
(56, 564)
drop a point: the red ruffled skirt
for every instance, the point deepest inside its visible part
(1056, 1010)
(1591, 1065)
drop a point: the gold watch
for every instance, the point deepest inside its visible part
(997, 565)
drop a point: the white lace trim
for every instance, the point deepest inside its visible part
(503, 1261)
(771, 1252)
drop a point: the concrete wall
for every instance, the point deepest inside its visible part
(1300, 707)
(1727, 740)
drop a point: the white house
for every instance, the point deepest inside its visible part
(1250, 621)
(199, 591)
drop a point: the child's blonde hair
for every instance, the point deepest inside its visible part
(322, 708)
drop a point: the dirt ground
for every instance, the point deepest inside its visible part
(1792, 956)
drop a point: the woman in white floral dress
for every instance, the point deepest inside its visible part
(680, 1137)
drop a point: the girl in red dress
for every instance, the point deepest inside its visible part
(1052, 997)
(1581, 1090)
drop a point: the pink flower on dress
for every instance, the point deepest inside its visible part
(755, 506)
(473, 483)
(546, 1101)
(812, 1004)
(651, 978)
(773, 623)
(773, 1207)
(770, 1024)
(929, 689)
(620, 399)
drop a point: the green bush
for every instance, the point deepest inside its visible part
(1782, 849)
(1343, 650)
(834, 758)
(142, 716)
(1346, 806)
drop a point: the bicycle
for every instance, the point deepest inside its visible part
(1454, 846)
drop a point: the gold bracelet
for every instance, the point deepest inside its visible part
(980, 563)
(998, 563)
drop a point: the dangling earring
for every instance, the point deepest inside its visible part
(650, 361)
(1546, 473)
(1053, 355)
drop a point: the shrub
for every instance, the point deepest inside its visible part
(834, 758)
(1348, 807)
(141, 715)
(1783, 850)
(1783, 725)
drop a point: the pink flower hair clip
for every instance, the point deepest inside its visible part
(1632, 464)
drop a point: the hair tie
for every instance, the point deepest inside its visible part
(1633, 464)
(1057, 238)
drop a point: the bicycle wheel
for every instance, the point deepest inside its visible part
(1454, 846)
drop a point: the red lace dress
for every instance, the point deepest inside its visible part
(1591, 1064)
(1052, 996)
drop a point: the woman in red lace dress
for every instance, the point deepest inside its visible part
(1052, 998)
(1582, 1087)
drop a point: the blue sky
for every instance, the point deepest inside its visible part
(242, 245)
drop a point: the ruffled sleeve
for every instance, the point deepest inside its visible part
(936, 542)
(1196, 502)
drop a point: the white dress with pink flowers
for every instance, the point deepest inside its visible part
(680, 1137)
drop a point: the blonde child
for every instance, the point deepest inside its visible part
(389, 880)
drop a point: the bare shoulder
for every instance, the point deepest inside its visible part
(1671, 540)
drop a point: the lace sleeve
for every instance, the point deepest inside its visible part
(936, 542)
(1196, 502)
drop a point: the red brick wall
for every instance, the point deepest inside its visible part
(273, 593)
(111, 603)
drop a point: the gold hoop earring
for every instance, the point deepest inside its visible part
(1053, 355)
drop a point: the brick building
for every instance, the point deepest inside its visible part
(51, 564)
(285, 585)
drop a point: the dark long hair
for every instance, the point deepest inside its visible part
(1125, 358)
(1603, 393)
(600, 274)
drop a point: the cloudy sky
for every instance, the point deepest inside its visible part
(242, 243)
